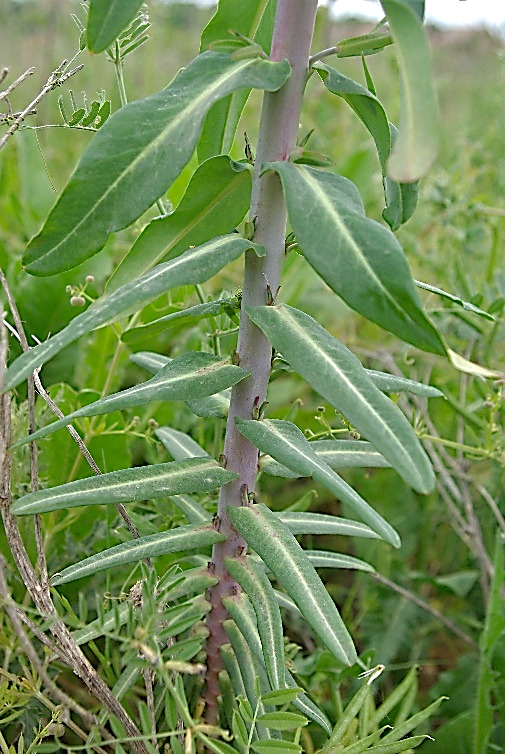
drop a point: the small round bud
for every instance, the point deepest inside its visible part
(153, 423)
(77, 301)
(68, 289)
(90, 279)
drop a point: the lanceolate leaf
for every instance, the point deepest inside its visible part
(280, 551)
(455, 299)
(106, 19)
(194, 266)
(194, 374)
(288, 445)
(135, 157)
(255, 20)
(128, 485)
(194, 512)
(175, 540)
(242, 612)
(401, 199)
(213, 405)
(322, 523)
(325, 559)
(185, 317)
(337, 375)
(417, 144)
(357, 257)
(215, 202)
(391, 383)
(256, 585)
(179, 444)
(338, 454)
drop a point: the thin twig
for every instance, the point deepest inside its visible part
(17, 82)
(493, 505)
(428, 608)
(56, 78)
(322, 54)
(32, 655)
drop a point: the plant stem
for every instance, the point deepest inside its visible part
(292, 37)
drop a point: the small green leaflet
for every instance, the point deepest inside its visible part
(135, 157)
(338, 376)
(215, 202)
(288, 445)
(128, 485)
(280, 551)
(256, 585)
(455, 299)
(326, 559)
(175, 540)
(179, 444)
(416, 147)
(192, 375)
(194, 266)
(106, 20)
(360, 259)
(391, 383)
(338, 454)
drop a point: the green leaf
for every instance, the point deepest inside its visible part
(175, 540)
(390, 383)
(349, 714)
(179, 444)
(186, 317)
(279, 697)
(399, 731)
(401, 199)
(357, 257)
(128, 485)
(395, 748)
(288, 445)
(135, 157)
(280, 551)
(455, 299)
(218, 747)
(322, 523)
(364, 44)
(215, 202)
(194, 374)
(325, 559)
(254, 20)
(194, 266)
(417, 144)
(107, 19)
(215, 405)
(256, 585)
(277, 747)
(242, 612)
(282, 720)
(338, 454)
(337, 375)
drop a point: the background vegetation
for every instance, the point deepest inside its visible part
(428, 605)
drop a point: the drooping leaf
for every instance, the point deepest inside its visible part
(278, 548)
(417, 144)
(337, 375)
(194, 374)
(357, 257)
(214, 405)
(391, 383)
(186, 317)
(299, 522)
(338, 454)
(256, 585)
(242, 612)
(106, 19)
(215, 202)
(288, 445)
(470, 367)
(254, 20)
(128, 485)
(401, 199)
(194, 266)
(174, 540)
(136, 155)
(179, 444)
(455, 299)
